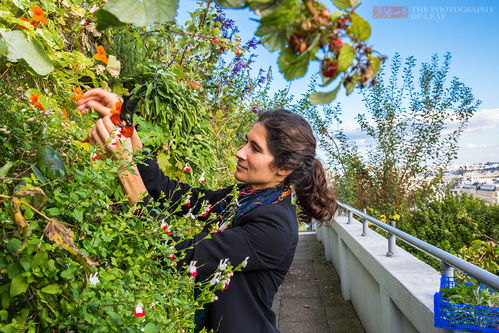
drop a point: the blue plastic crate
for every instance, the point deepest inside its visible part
(468, 317)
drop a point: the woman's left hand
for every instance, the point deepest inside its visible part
(105, 134)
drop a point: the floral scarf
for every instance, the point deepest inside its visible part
(251, 199)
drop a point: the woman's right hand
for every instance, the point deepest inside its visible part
(98, 99)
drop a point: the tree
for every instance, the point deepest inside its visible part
(414, 127)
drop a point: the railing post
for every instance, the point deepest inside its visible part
(446, 269)
(391, 241)
(364, 224)
(350, 217)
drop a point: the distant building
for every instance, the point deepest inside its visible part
(487, 192)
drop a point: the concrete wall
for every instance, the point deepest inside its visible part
(390, 294)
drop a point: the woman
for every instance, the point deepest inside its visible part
(279, 154)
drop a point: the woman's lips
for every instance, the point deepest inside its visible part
(238, 166)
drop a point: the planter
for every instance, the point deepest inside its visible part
(455, 316)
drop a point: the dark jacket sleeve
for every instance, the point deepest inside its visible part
(165, 190)
(266, 237)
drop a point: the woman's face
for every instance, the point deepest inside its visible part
(255, 161)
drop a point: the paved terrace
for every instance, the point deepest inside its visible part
(309, 300)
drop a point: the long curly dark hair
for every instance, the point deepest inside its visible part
(291, 141)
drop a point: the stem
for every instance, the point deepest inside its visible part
(27, 204)
(183, 33)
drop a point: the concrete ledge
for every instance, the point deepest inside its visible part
(390, 294)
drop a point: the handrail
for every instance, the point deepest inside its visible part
(476, 272)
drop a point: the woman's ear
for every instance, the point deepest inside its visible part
(283, 172)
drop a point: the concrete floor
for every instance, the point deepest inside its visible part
(309, 300)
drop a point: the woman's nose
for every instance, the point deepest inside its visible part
(241, 153)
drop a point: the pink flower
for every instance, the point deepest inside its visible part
(192, 268)
(139, 311)
(223, 265)
(215, 298)
(187, 168)
(201, 179)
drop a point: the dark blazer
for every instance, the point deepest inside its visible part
(267, 235)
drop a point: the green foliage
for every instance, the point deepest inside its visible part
(281, 21)
(474, 294)
(58, 235)
(462, 225)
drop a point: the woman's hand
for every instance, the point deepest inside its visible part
(98, 99)
(105, 134)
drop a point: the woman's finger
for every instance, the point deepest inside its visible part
(108, 124)
(102, 130)
(91, 139)
(101, 109)
(95, 136)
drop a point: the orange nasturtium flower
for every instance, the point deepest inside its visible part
(33, 23)
(39, 15)
(34, 99)
(101, 54)
(77, 93)
(115, 113)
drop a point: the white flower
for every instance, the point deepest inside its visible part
(223, 265)
(216, 279)
(192, 268)
(93, 279)
(245, 262)
(201, 179)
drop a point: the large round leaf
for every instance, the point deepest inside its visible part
(19, 46)
(143, 12)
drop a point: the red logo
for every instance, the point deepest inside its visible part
(390, 12)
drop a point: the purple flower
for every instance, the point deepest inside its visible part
(255, 109)
(251, 44)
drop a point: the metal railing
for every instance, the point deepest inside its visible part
(447, 260)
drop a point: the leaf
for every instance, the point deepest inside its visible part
(151, 328)
(67, 274)
(5, 169)
(13, 245)
(64, 238)
(231, 3)
(347, 54)
(359, 27)
(374, 66)
(113, 66)
(292, 65)
(21, 47)
(324, 98)
(106, 20)
(38, 197)
(3, 47)
(342, 4)
(143, 12)
(39, 259)
(351, 85)
(18, 285)
(51, 289)
(354, 3)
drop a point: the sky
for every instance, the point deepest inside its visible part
(468, 29)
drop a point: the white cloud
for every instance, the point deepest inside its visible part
(484, 120)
